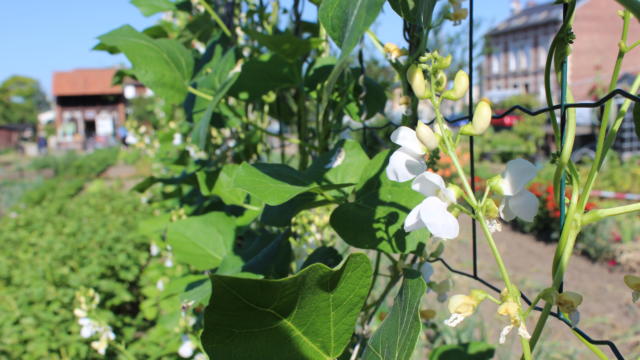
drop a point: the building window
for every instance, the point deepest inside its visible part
(495, 63)
(512, 60)
(542, 51)
(525, 57)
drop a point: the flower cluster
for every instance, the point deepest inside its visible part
(88, 300)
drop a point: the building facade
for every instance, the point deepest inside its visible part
(89, 109)
(516, 49)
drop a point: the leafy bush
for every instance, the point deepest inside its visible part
(71, 173)
(55, 249)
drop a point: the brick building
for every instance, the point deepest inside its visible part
(516, 49)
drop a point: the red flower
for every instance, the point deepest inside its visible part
(616, 236)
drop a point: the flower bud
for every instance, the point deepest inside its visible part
(441, 81)
(482, 116)
(495, 183)
(490, 209)
(456, 190)
(419, 85)
(390, 48)
(426, 136)
(427, 314)
(633, 282)
(549, 295)
(509, 308)
(424, 58)
(462, 304)
(568, 301)
(460, 86)
(269, 97)
(443, 62)
(478, 295)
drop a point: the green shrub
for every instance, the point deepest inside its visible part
(71, 171)
(53, 250)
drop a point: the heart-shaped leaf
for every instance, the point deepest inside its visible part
(307, 316)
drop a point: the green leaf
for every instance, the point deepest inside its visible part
(347, 20)
(418, 12)
(225, 188)
(274, 260)
(163, 65)
(307, 316)
(282, 214)
(326, 255)
(206, 181)
(151, 7)
(397, 336)
(259, 254)
(287, 45)
(272, 183)
(407, 9)
(375, 219)
(198, 291)
(219, 78)
(202, 241)
(342, 165)
(475, 350)
(269, 72)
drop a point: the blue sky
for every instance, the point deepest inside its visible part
(42, 36)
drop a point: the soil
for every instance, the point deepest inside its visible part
(126, 175)
(607, 311)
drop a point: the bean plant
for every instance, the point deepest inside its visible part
(296, 223)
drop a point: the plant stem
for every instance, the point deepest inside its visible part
(479, 214)
(215, 17)
(376, 42)
(199, 93)
(494, 249)
(597, 215)
(591, 347)
(526, 348)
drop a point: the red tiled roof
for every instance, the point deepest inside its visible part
(85, 82)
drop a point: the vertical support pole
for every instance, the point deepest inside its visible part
(563, 123)
(474, 234)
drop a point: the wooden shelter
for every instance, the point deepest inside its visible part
(89, 109)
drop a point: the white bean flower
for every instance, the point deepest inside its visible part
(88, 327)
(510, 309)
(200, 356)
(518, 201)
(461, 307)
(186, 348)
(408, 161)
(106, 335)
(432, 212)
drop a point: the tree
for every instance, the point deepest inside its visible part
(21, 99)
